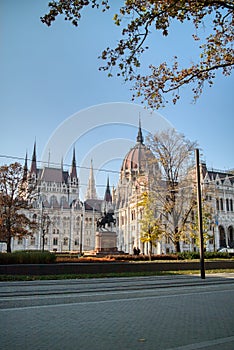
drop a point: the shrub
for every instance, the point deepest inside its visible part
(188, 255)
(207, 255)
(27, 257)
(217, 255)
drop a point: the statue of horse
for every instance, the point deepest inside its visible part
(106, 219)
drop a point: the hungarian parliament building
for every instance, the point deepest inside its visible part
(68, 224)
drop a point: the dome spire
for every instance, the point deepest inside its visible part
(140, 138)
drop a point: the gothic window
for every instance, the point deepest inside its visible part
(77, 241)
(63, 201)
(55, 241)
(221, 203)
(231, 205)
(217, 204)
(65, 241)
(231, 237)
(33, 241)
(52, 200)
(227, 204)
(222, 240)
(141, 214)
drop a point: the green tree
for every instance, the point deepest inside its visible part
(14, 202)
(194, 227)
(151, 227)
(173, 188)
(138, 19)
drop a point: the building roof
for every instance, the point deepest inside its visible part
(137, 159)
(56, 175)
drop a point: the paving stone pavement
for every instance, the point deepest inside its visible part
(182, 319)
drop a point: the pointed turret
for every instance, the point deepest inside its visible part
(91, 189)
(108, 196)
(33, 170)
(140, 138)
(73, 173)
(25, 171)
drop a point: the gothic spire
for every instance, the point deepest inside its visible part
(25, 171)
(73, 173)
(91, 189)
(108, 196)
(140, 138)
(33, 169)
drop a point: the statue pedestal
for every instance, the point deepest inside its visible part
(106, 242)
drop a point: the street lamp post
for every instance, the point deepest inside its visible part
(199, 208)
(81, 234)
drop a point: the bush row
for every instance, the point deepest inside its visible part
(207, 255)
(178, 256)
(38, 257)
(27, 257)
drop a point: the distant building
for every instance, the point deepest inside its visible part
(134, 178)
(219, 187)
(68, 224)
(65, 223)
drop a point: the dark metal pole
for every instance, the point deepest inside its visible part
(81, 234)
(199, 208)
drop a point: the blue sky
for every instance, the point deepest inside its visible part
(50, 74)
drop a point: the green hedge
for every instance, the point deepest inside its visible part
(27, 257)
(207, 255)
(178, 256)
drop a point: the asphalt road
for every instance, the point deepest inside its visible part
(158, 313)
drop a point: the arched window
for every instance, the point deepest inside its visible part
(221, 203)
(63, 201)
(65, 241)
(222, 240)
(217, 204)
(231, 205)
(230, 237)
(227, 204)
(33, 240)
(53, 201)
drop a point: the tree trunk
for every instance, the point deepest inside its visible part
(177, 247)
(150, 251)
(9, 245)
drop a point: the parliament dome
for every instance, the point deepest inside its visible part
(136, 161)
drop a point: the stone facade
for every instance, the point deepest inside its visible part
(68, 224)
